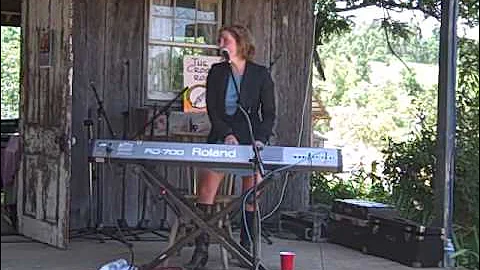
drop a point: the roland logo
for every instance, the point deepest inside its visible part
(211, 152)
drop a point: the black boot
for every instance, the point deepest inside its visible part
(244, 237)
(200, 254)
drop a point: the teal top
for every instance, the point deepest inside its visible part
(231, 96)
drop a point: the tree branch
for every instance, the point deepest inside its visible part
(318, 65)
(354, 7)
(391, 5)
(390, 47)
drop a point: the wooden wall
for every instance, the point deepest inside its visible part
(108, 48)
(108, 53)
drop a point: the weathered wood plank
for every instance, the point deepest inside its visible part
(256, 16)
(89, 30)
(79, 208)
(45, 112)
(123, 62)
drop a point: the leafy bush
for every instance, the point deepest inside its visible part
(10, 71)
(407, 180)
(359, 184)
(466, 243)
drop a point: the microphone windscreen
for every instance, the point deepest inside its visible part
(225, 53)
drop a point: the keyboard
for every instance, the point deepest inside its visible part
(216, 155)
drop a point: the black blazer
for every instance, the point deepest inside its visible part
(256, 96)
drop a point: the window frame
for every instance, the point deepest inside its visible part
(145, 100)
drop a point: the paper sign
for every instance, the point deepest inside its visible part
(195, 71)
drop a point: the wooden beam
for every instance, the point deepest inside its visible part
(11, 12)
(12, 6)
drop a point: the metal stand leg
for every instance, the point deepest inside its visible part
(96, 230)
(210, 226)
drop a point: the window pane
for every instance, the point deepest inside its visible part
(207, 11)
(159, 72)
(177, 61)
(177, 67)
(184, 30)
(207, 33)
(177, 21)
(185, 9)
(162, 8)
(161, 28)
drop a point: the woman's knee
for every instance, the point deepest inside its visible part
(209, 182)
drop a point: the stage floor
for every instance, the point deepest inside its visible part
(83, 254)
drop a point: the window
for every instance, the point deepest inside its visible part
(178, 28)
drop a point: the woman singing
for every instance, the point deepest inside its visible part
(230, 84)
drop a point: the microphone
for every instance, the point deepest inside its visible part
(225, 53)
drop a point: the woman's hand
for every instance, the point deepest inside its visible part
(260, 145)
(231, 139)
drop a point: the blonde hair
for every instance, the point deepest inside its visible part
(244, 39)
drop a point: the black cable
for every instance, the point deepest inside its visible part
(157, 114)
(257, 161)
(268, 175)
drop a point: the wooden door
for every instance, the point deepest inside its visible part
(45, 125)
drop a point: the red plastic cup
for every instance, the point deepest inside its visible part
(287, 260)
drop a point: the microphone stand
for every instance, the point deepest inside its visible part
(142, 223)
(94, 173)
(101, 114)
(257, 164)
(122, 222)
(156, 115)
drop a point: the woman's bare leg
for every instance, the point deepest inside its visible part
(207, 189)
(208, 184)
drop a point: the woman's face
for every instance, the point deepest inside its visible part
(226, 41)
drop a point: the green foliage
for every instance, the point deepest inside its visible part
(467, 140)
(467, 9)
(10, 71)
(398, 30)
(369, 42)
(466, 241)
(407, 179)
(409, 167)
(329, 23)
(366, 103)
(364, 183)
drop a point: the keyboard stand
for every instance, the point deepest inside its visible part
(187, 208)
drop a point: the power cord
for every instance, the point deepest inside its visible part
(268, 175)
(257, 162)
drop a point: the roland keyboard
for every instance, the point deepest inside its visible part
(216, 155)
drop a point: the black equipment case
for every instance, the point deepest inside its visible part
(405, 241)
(349, 222)
(305, 225)
(361, 208)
